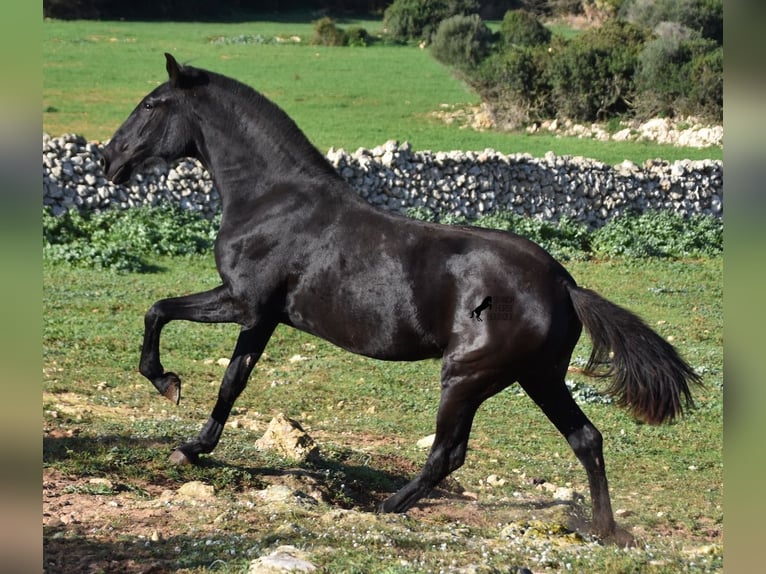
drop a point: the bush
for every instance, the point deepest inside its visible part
(616, 70)
(661, 234)
(521, 28)
(357, 37)
(515, 83)
(592, 75)
(653, 234)
(705, 96)
(406, 20)
(462, 41)
(703, 16)
(679, 75)
(121, 239)
(327, 33)
(565, 239)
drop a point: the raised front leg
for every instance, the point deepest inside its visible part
(250, 346)
(215, 306)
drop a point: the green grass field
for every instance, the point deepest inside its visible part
(104, 421)
(94, 73)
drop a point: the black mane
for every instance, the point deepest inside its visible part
(271, 120)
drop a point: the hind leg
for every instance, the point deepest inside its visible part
(453, 426)
(556, 402)
(461, 397)
(250, 345)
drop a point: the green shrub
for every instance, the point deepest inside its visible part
(357, 37)
(122, 239)
(565, 239)
(660, 234)
(702, 16)
(462, 41)
(592, 75)
(515, 82)
(705, 96)
(406, 20)
(522, 28)
(327, 33)
(680, 75)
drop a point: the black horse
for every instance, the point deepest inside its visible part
(298, 246)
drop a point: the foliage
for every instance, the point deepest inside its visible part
(357, 37)
(565, 239)
(240, 39)
(462, 41)
(661, 58)
(521, 28)
(541, 7)
(406, 20)
(592, 75)
(327, 33)
(705, 17)
(221, 10)
(652, 234)
(679, 75)
(123, 239)
(662, 234)
(516, 83)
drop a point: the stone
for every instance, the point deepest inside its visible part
(495, 481)
(196, 490)
(286, 437)
(394, 177)
(283, 559)
(564, 493)
(426, 441)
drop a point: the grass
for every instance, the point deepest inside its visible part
(366, 416)
(94, 73)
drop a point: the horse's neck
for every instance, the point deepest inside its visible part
(242, 148)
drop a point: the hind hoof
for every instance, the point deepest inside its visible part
(179, 458)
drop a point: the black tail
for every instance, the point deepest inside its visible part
(648, 375)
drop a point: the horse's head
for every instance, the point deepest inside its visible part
(161, 126)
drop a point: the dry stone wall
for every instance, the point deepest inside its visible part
(395, 177)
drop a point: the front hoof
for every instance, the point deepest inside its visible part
(179, 457)
(620, 537)
(172, 385)
(390, 506)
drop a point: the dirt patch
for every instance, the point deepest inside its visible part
(99, 525)
(112, 503)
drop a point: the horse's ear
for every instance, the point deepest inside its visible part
(183, 77)
(174, 70)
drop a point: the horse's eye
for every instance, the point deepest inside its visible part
(148, 105)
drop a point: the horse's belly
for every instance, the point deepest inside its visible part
(376, 325)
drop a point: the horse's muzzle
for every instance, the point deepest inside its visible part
(115, 170)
